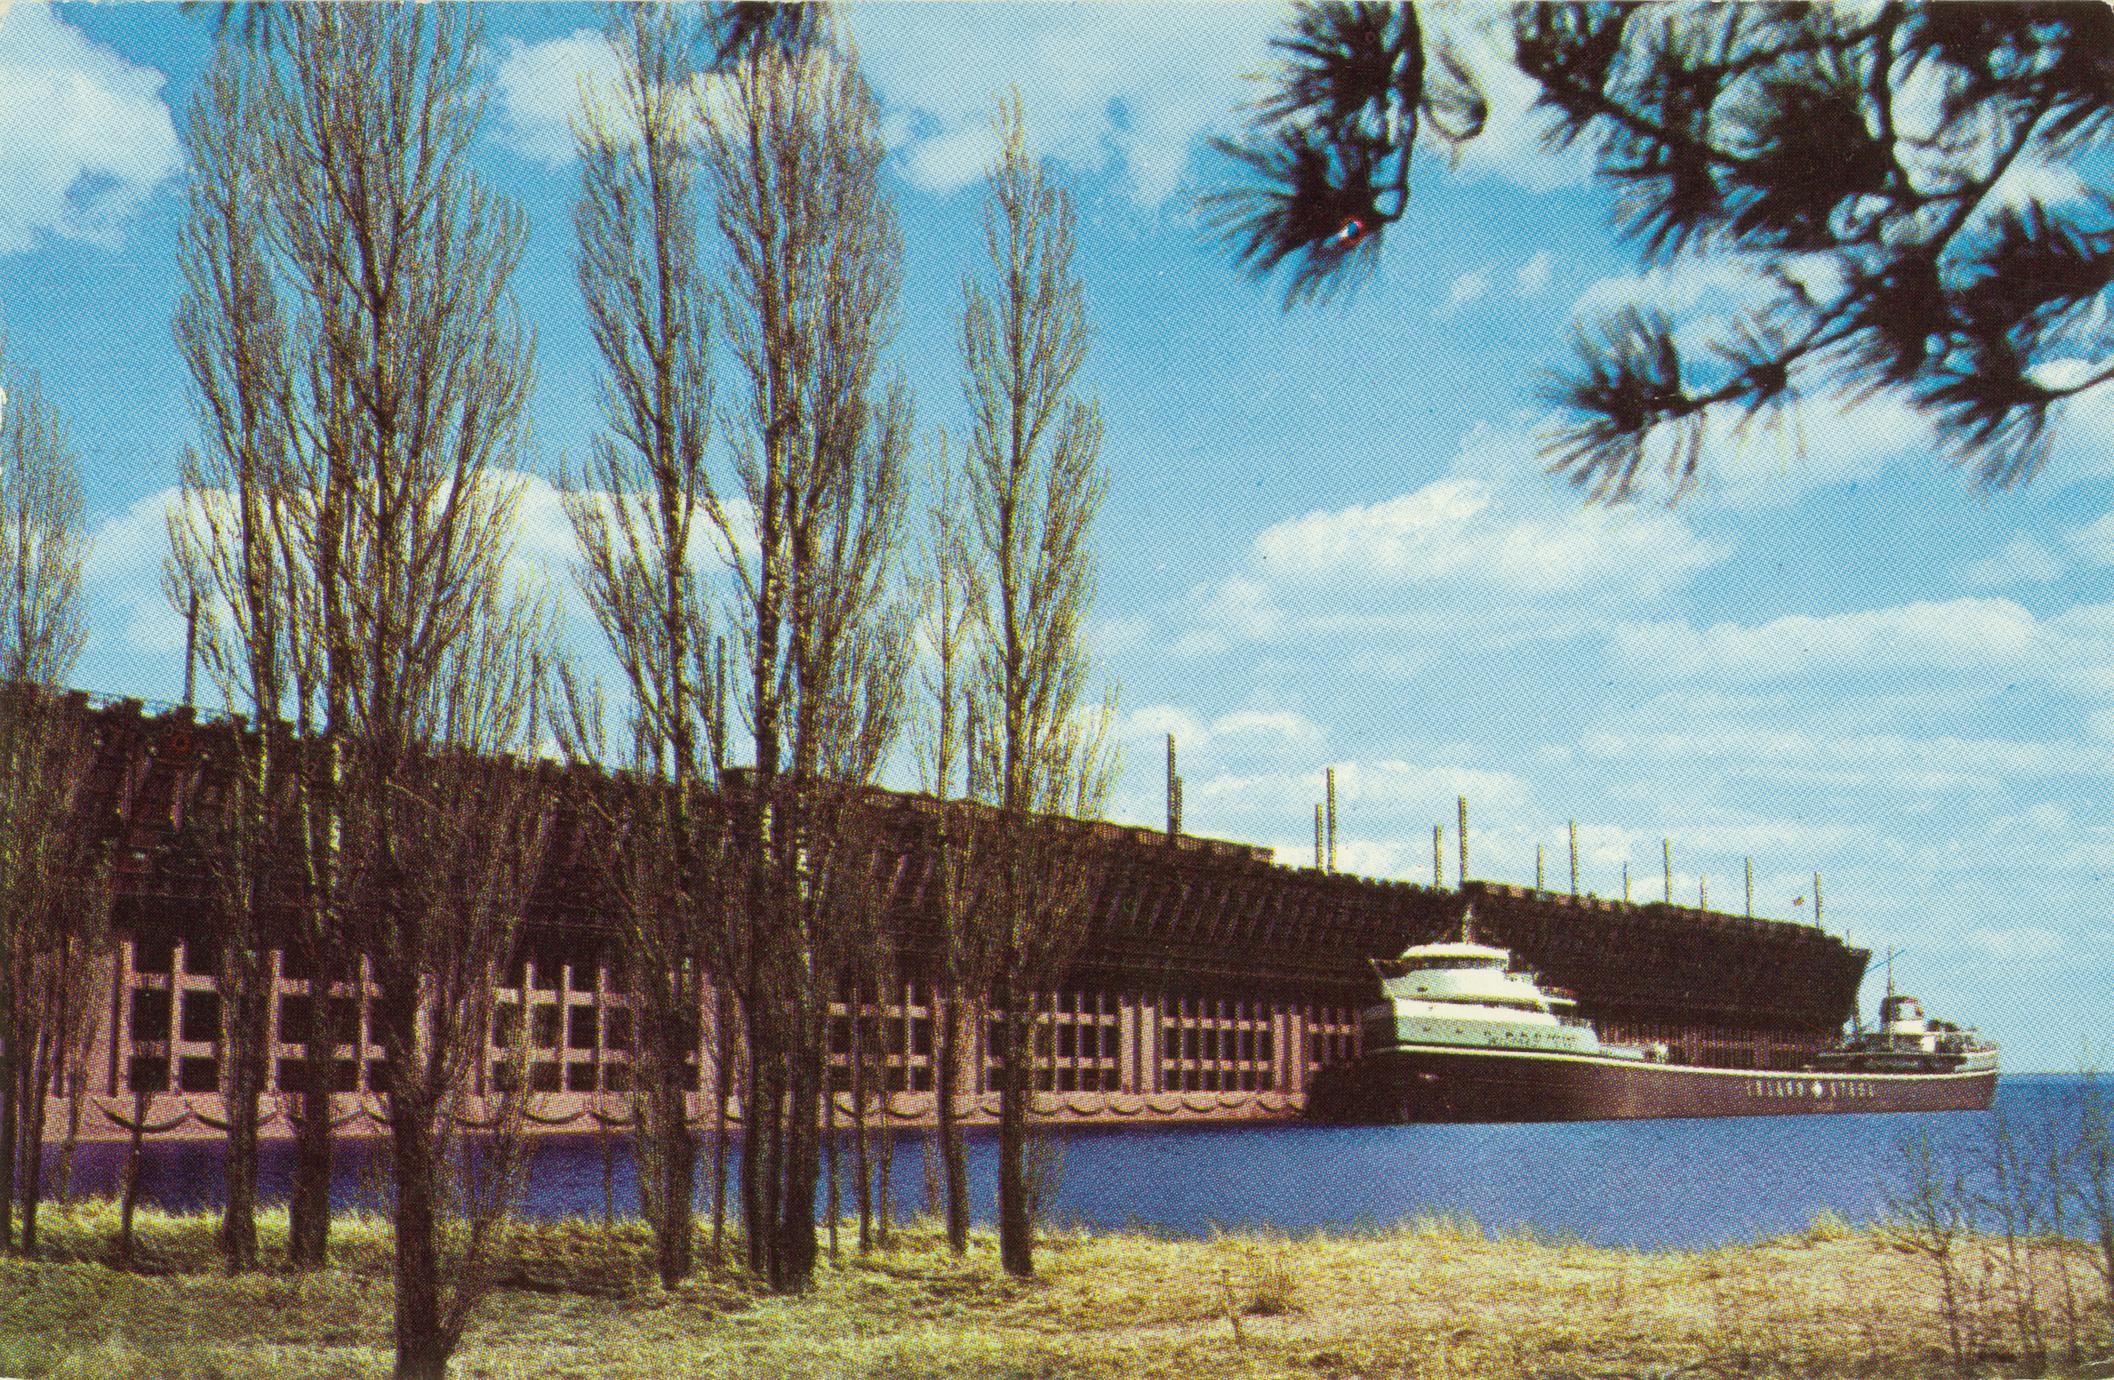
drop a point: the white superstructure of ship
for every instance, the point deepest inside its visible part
(1907, 1041)
(1462, 994)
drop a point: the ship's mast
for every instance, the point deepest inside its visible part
(1886, 1011)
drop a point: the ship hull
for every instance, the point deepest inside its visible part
(1435, 1083)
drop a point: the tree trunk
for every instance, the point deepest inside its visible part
(1016, 1228)
(33, 1144)
(308, 1214)
(759, 1160)
(128, 1195)
(884, 1214)
(723, 1073)
(675, 1160)
(421, 1341)
(954, 1155)
(10, 1110)
(862, 1169)
(247, 1005)
(798, 1243)
(238, 1219)
(833, 1197)
(58, 1067)
(74, 1079)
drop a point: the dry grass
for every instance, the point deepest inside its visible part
(1429, 1299)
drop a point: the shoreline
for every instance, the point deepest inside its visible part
(1437, 1297)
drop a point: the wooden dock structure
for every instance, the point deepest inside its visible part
(1212, 986)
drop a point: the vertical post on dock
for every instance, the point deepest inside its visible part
(1174, 795)
(1438, 855)
(1666, 853)
(191, 649)
(1750, 888)
(719, 720)
(1462, 801)
(1320, 858)
(1574, 859)
(1332, 819)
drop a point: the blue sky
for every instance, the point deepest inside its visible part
(1328, 539)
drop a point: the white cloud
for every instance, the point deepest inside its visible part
(1533, 275)
(1957, 633)
(1387, 788)
(2095, 540)
(122, 579)
(1132, 87)
(539, 86)
(1825, 438)
(2037, 180)
(1675, 288)
(1241, 733)
(87, 136)
(1469, 287)
(1462, 528)
(1858, 758)
(2018, 942)
(544, 534)
(1510, 556)
(1511, 146)
(2021, 561)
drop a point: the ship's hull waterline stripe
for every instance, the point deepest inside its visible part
(1603, 1061)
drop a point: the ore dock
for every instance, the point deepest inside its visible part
(1214, 985)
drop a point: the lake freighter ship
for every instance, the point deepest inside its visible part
(1461, 1035)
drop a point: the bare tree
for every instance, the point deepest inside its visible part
(1034, 483)
(809, 526)
(415, 664)
(948, 594)
(634, 511)
(230, 559)
(445, 874)
(48, 874)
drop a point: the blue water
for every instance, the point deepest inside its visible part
(1647, 1183)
